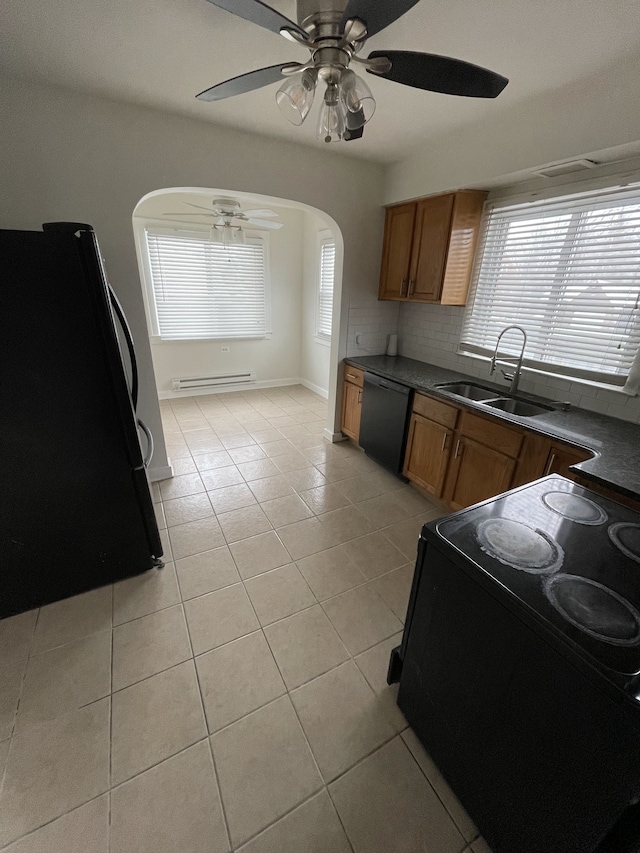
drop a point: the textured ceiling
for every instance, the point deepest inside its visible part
(160, 53)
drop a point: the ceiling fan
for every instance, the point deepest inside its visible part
(224, 211)
(334, 31)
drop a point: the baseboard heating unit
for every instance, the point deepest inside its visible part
(186, 383)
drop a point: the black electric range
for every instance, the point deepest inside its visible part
(569, 556)
(519, 667)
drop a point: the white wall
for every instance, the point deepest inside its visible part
(315, 353)
(275, 358)
(70, 156)
(591, 115)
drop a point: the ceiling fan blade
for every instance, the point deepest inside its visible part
(182, 213)
(246, 82)
(376, 14)
(265, 223)
(440, 74)
(261, 213)
(199, 206)
(260, 14)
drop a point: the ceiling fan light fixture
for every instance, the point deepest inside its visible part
(239, 236)
(357, 98)
(295, 97)
(332, 119)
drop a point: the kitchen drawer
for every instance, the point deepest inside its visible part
(434, 410)
(354, 374)
(492, 434)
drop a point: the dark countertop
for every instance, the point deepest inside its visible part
(615, 443)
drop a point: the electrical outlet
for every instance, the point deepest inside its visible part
(224, 349)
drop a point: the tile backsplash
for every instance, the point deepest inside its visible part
(370, 324)
(431, 333)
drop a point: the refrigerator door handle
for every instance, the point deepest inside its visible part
(117, 307)
(147, 432)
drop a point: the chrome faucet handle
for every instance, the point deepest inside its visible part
(508, 376)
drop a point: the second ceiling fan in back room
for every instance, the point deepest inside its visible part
(227, 218)
(335, 31)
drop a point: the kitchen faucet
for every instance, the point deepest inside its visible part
(515, 362)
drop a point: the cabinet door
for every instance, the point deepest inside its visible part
(351, 410)
(476, 473)
(430, 245)
(396, 251)
(428, 449)
(560, 458)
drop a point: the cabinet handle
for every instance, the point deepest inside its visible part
(412, 285)
(402, 286)
(359, 396)
(444, 442)
(552, 459)
(351, 376)
(458, 445)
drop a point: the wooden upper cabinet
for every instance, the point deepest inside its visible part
(429, 246)
(430, 240)
(396, 251)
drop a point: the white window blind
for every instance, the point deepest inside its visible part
(325, 286)
(207, 290)
(567, 270)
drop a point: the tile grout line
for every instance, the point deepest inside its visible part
(288, 694)
(12, 733)
(208, 734)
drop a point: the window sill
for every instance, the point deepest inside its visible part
(533, 372)
(158, 339)
(322, 339)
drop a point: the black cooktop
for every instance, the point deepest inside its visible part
(569, 555)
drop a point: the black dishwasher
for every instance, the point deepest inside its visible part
(383, 425)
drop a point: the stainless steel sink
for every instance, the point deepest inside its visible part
(518, 407)
(468, 390)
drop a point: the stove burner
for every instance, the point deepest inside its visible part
(594, 609)
(519, 546)
(626, 537)
(575, 507)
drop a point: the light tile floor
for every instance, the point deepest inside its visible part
(236, 699)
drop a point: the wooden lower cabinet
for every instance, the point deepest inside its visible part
(462, 457)
(351, 410)
(560, 459)
(476, 473)
(428, 450)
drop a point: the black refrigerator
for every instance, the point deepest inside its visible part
(75, 504)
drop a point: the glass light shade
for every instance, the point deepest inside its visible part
(239, 236)
(215, 236)
(227, 234)
(331, 121)
(295, 96)
(358, 100)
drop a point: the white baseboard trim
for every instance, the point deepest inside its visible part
(162, 472)
(334, 437)
(200, 392)
(321, 392)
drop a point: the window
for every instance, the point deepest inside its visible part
(567, 270)
(325, 284)
(203, 289)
